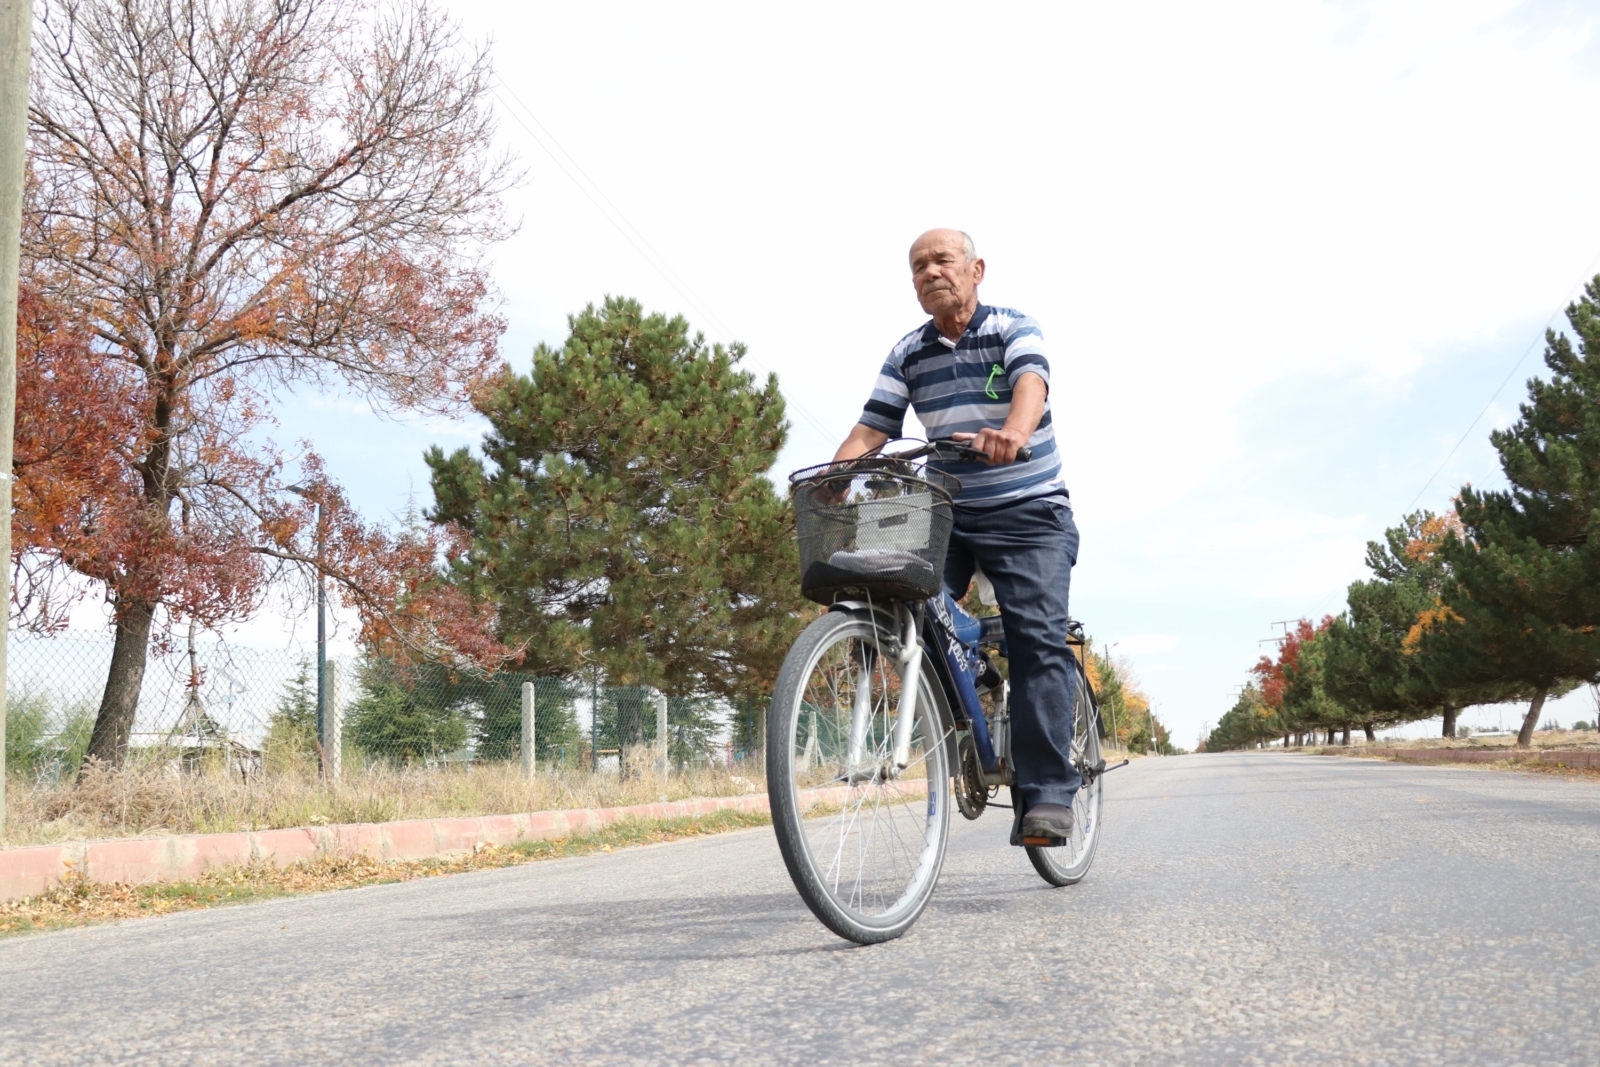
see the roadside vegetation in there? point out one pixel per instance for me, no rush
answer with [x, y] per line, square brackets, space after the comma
[117, 802]
[1497, 600]
[1132, 725]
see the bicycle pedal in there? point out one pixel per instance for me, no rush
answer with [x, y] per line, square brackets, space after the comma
[1043, 842]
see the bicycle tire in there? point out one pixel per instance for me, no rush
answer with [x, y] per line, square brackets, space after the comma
[1065, 865]
[868, 869]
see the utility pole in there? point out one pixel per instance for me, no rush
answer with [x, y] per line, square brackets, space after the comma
[16, 37]
[311, 493]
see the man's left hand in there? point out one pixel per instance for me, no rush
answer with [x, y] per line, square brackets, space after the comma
[999, 445]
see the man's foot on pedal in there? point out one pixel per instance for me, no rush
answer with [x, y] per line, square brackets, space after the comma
[1046, 825]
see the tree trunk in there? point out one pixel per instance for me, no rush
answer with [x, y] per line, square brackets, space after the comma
[1344, 739]
[114, 723]
[1450, 720]
[1371, 735]
[1529, 721]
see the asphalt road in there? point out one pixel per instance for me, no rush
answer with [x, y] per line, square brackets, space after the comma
[1244, 909]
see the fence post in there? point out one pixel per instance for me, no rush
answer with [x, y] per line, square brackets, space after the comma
[661, 731]
[528, 768]
[333, 725]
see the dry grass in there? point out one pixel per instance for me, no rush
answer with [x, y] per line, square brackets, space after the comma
[158, 800]
[1541, 739]
[79, 903]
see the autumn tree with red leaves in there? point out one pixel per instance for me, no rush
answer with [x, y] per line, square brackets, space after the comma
[1291, 683]
[228, 198]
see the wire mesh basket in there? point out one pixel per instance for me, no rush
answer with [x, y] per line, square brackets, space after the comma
[877, 527]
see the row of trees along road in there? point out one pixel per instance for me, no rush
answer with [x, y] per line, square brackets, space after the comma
[228, 200]
[1498, 600]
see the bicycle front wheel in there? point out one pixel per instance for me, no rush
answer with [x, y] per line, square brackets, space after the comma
[1066, 864]
[863, 842]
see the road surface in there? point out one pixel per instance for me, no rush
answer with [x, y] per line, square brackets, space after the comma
[1244, 909]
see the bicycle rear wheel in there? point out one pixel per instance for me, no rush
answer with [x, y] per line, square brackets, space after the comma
[863, 845]
[1066, 864]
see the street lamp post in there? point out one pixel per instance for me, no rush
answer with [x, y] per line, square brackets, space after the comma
[322, 628]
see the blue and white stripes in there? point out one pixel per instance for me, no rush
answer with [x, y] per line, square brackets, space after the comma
[964, 386]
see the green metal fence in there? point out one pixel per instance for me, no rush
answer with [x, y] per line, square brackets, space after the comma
[257, 711]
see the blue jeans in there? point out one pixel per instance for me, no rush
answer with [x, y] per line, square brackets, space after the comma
[1028, 551]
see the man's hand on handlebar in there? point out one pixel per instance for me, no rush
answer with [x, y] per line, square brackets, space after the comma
[999, 445]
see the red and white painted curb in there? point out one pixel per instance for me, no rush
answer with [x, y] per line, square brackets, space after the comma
[25, 872]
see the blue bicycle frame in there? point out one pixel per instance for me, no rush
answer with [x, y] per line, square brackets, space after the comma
[956, 634]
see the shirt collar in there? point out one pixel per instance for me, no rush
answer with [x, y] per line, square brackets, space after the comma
[931, 334]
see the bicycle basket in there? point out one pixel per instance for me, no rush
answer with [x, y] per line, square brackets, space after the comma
[878, 527]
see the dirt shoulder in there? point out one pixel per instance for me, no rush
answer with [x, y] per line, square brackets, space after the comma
[1580, 761]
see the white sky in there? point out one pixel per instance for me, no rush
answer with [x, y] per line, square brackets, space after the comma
[1282, 252]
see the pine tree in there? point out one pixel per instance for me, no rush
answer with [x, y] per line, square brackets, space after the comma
[1306, 700]
[408, 712]
[497, 724]
[621, 514]
[292, 729]
[1373, 663]
[1523, 603]
[1249, 722]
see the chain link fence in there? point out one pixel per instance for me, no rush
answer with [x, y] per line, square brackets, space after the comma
[255, 712]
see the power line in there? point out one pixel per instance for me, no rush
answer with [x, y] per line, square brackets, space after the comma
[1587, 274]
[630, 233]
[1572, 292]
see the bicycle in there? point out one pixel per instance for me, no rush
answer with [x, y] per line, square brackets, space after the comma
[891, 703]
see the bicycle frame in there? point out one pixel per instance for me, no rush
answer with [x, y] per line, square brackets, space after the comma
[956, 675]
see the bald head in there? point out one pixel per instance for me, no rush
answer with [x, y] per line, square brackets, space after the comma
[946, 271]
[947, 236]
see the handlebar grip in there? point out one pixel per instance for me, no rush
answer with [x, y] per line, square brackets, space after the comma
[1024, 454]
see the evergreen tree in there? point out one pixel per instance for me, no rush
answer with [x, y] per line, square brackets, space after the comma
[693, 723]
[1523, 601]
[621, 513]
[496, 701]
[408, 712]
[1305, 699]
[292, 728]
[1245, 725]
[1374, 665]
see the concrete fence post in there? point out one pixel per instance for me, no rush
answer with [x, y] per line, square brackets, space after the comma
[333, 724]
[528, 768]
[661, 732]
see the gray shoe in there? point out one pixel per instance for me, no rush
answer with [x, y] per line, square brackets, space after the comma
[1046, 825]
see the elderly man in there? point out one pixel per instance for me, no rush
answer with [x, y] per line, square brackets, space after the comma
[979, 374]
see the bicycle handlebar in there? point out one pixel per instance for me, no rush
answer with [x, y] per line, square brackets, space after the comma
[949, 448]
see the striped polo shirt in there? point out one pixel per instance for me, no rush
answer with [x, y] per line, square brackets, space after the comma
[963, 386]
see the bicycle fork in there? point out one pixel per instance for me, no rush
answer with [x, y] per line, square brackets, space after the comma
[909, 662]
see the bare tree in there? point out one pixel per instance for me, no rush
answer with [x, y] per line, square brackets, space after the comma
[227, 198]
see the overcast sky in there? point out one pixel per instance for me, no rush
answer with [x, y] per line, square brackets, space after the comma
[1283, 253]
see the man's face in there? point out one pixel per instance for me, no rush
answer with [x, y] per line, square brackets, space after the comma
[945, 278]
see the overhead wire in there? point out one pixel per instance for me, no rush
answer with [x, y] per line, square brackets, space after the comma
[1588, 273]
[1521, 359]
[629, 232]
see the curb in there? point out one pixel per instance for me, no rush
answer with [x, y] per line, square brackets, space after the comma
[28, 871]
[1576, 758]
